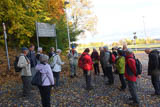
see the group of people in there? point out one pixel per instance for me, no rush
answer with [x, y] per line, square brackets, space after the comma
[120, 60]
[49, 67]
[123, 62]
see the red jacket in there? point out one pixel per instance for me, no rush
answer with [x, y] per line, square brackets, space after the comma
[86, 62]
[130, 69]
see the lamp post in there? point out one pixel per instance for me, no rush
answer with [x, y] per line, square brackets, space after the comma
[144, 25]
[66, 2]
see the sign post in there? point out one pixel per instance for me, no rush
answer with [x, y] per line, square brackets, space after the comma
[5, 38]
[135, 37]
[45, 30]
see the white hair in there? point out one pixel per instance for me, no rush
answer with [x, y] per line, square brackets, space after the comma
[59, 51]
[39, 49]
[43, 58]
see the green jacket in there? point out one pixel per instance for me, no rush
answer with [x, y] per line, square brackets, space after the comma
[120, 65]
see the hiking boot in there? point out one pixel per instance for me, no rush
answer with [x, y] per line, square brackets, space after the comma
[89, 88]
[109, 83]
[121, 89]
[131, 99]
[75, 75]
[72, 76]
[134, 103]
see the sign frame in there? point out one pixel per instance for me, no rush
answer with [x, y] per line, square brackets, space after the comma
[45, 32]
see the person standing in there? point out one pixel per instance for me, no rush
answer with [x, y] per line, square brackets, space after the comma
[102, 59]
[87, 67]
[114, 51]
[131, 75]
[95, 59]
[47, 78]
[56, 66]
[73, 61]
[124, 50]
[26, 74]
[120, 67]
[52, 52]
[32, 57]
[39, 53]
[154, 68]
[108, 66]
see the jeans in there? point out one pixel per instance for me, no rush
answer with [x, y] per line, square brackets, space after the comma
[26, 80]
[56, 76]
[96, 68]
[73, 69]
[121, 77]
[45, 92]
[133, 90]
[87, 75]
[156, 83]
[109, 74]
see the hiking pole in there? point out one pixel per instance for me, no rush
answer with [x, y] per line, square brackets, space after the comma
[5, 38]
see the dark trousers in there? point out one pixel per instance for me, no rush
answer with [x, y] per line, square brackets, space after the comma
[56, 76]
[109, 74]
[133, 90]
[156, 83]
[26, 80]
[87, 75]
[103, 69]
[45, 92]
[73, 69]
[121, 77]
[96, 68]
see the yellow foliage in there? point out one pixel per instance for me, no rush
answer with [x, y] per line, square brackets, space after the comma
[55, 8]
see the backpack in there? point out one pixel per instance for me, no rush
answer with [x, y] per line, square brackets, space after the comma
[37, 79]
[138, 67]
[16, 68]
[112, 58]
[51, 59]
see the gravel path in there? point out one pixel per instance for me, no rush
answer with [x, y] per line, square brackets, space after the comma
[72, 93]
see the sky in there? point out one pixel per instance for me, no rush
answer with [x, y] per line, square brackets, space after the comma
[118, 19]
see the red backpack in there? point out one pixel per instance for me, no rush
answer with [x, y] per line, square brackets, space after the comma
[113, 58]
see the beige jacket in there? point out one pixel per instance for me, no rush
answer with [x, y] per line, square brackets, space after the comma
[26, 67]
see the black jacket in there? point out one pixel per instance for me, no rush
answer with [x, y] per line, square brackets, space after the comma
[154, 61]
[32, 57]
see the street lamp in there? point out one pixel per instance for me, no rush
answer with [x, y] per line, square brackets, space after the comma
[66, 2]
[144, 25]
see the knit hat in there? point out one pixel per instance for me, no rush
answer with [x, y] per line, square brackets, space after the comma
[105, 47]
[24, 48]
[43, 58]
[73, 46]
